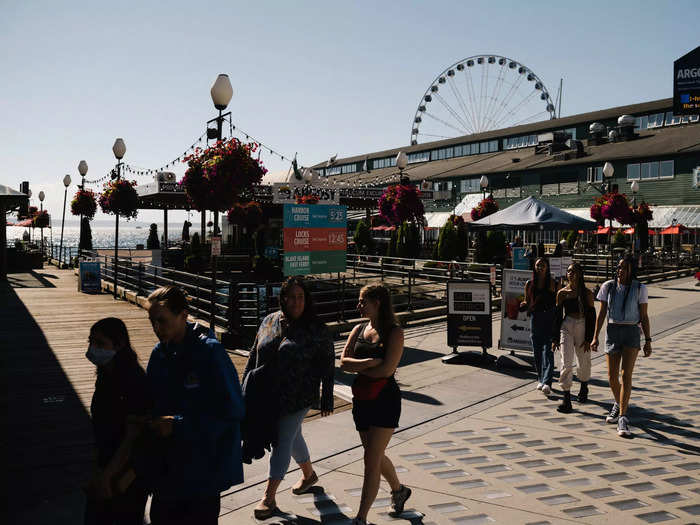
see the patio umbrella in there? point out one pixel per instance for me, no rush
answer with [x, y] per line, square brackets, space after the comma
[673, 230]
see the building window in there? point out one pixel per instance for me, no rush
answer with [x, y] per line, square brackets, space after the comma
[458, 151]
[595, 174]
[470, 186]
[420, 156]
[493, 146]
[335, 170]
[348, 168]
[633, 172]
[475, 148]
[666, 169]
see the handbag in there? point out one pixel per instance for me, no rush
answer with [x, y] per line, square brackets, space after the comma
[366, 388]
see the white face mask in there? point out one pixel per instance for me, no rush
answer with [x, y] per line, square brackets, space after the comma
[99, 356]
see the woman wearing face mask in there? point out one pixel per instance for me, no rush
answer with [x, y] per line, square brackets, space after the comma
[120, 403]
[373, 350]
[299, 345]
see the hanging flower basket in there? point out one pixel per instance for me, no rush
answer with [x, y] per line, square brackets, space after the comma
[84, 204]
[41, 220]
[613, 206]
[401, 203]
[307, 199]
[249, 214]
[485, 208]
[643, 213]
[120, 197]
[216, 176]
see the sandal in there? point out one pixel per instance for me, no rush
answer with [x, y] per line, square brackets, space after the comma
[265, 510]
[305, 484]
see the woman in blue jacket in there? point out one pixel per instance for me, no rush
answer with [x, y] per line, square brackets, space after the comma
[198, 406]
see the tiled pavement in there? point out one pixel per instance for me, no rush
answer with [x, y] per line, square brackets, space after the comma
[519, 461]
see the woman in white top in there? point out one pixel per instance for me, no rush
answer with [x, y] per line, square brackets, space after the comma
[624, 301]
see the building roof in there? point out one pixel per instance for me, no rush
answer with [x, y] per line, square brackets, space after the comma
[651, 143]
[524, 129]
[11, 197]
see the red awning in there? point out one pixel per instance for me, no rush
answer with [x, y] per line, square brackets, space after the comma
[384, 228]
[603, 230]
[24, 223]
[673, 230]
[630, 231]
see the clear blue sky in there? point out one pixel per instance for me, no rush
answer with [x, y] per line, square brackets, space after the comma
[316, 78]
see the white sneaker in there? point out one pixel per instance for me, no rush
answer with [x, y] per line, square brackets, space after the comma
[539, 386]
[623, 428]
[546, 390]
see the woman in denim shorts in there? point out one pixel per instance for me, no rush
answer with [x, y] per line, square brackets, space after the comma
[624, 301]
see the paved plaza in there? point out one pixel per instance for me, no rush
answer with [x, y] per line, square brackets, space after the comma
[477, 444]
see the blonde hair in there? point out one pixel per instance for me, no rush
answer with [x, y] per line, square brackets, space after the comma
[172, 297]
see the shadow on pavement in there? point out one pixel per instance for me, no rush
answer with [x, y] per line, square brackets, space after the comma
[417, 397]
[46, 432]
[30, 279]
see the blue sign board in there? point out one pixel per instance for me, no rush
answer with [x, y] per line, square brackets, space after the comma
[314, 216]
[520, 262]
[90, 280]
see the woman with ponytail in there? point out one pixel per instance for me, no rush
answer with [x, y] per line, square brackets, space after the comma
[373, 351]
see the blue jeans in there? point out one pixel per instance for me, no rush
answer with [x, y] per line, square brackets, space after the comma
[541, 337]
[290, 444]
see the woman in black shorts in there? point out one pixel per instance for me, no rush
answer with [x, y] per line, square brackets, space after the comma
[373, 350]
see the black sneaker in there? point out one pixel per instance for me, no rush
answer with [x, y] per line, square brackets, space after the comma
[614, 414]
[583, 393]
[398, 499]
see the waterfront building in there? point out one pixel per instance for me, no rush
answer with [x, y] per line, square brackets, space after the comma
[559, 161]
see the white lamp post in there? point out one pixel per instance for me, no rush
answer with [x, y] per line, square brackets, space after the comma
[608, 172]
[221, 94]
[42, 196]
[484, 183]
[119, 149]
[82, 170]
[66, 183]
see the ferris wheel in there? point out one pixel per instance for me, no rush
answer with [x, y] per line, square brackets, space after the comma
[477, 94]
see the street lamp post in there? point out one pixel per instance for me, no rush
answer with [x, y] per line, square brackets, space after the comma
[484, 183]
[42, 196]
[635, 188]
[66, 183]
[608, 172]
[119, 149]
[82, 169]
[221, 93]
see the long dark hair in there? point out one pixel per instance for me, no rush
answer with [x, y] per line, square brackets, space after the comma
[535, 279]
[386, 317]
[115, 330]
[628, 260]
[580, 285]
[309, 315]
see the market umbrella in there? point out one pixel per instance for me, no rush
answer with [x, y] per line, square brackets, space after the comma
[533, 214]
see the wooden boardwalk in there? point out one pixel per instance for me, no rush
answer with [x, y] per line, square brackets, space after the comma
[46, 431]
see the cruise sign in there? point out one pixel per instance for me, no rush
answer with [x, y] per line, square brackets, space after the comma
[315, 238]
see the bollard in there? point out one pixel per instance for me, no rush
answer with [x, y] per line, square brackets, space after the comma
[410, 300]
[139, 290]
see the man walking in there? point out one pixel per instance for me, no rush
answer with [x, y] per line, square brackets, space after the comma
[198, 407]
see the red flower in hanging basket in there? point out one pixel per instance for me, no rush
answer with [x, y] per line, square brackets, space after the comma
[613, 206]
[249, 214]
[486, 207]
[84, 203]
[216, 176]
[401, 203]
[41, 220]
[120, 197]
[644, 213]
[307, 199]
